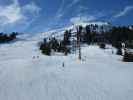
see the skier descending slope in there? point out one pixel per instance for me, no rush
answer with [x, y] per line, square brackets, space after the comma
[63, 65]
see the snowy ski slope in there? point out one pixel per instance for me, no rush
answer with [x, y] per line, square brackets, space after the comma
[100, 76]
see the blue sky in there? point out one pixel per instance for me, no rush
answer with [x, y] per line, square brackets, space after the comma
[33, 16]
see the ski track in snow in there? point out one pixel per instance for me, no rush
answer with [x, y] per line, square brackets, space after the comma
[102, 76]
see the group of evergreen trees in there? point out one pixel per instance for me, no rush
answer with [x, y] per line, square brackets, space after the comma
[128, 56]
[47, 46]
[66, 39]
[115, 36]
[90, 34]
[119, 34]
[7, 37]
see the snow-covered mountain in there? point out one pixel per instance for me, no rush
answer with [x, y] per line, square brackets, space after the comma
[99, 27]
[26, 74]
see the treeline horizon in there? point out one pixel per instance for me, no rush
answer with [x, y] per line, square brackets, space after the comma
[4, 38]
[88, 34]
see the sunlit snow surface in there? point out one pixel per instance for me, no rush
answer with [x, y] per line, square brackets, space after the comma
[100, 75]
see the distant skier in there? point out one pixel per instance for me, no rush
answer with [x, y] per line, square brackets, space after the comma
[37, 57]
[63, 65]
[33, 57]
[112, 51]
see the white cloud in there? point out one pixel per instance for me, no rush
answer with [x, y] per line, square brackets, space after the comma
[87, 18]
[125, 11]
[32, 7]
[83, 7]
[13, 14]
[60, 12]
[15, 2]
[10, 14]
[63, 8]
[79, 19]
[73, 3]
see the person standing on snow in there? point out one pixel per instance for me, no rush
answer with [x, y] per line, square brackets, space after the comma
[63, 65]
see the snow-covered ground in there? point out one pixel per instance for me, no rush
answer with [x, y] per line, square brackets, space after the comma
[99, 76]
